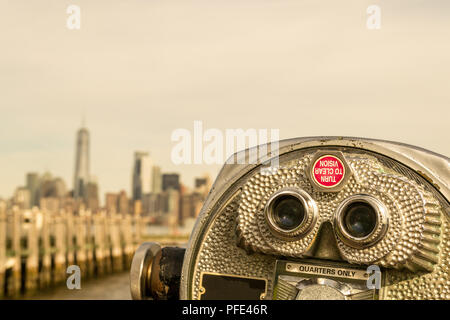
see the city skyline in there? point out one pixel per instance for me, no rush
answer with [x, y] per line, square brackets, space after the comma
[69, 162]
[145, 175]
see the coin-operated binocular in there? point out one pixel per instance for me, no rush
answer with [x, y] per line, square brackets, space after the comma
[313, 218]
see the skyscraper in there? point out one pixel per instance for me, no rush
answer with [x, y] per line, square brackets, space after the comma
[170, 181]
[33, 186]
[142, 175]
[156, 180]
[123, 203]
[81, 177]
[91, 197]
[52, 187]
[203, 185]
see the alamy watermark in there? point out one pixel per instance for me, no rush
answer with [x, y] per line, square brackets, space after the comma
[373, 17]
[74, 280]
[74, 19]
[373, 21]
[215, 146]
[374, 279]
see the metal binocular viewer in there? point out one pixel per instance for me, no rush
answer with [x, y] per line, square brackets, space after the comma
[335, 218]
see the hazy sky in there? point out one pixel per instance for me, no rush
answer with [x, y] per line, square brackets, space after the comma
[140, 69]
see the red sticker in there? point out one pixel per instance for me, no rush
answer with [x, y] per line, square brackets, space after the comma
[328, 171]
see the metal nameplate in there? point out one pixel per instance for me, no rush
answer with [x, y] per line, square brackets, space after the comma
[215, 286]
[348, 273]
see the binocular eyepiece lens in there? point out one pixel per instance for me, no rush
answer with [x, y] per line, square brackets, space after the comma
[359, 219]
[288, 212]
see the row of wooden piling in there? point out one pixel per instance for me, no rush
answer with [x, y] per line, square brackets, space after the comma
[36, 247]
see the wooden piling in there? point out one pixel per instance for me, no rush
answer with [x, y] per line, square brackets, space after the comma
[114, 236]
[31, 257]
[37, 246]
[2, 248]
[45, 254]
[14, 278]
[59, 266]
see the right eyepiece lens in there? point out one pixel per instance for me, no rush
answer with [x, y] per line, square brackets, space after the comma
[288, 212]
[359, 219]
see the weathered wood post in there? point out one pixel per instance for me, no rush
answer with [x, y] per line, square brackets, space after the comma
[45, 275]
[137, 228]
[70, 240]
[127, 238]
[59, 271]
[106, 234]
[31, 274]
[90, 244]
[80, 231]
[14, 279]
[116, 248]
[2, 248]
[98, 244]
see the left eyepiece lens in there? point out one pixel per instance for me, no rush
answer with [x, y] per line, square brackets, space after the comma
[288, 212]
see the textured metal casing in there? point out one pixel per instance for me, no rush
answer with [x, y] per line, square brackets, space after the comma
[432, 167]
